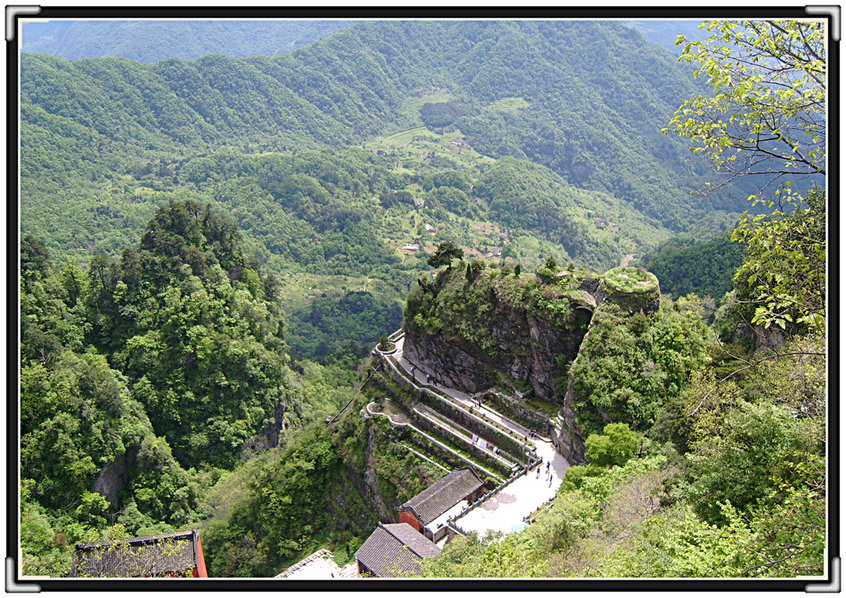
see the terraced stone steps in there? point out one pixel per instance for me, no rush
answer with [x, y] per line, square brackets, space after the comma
[492, 419]
[411, 427]
[460, 433]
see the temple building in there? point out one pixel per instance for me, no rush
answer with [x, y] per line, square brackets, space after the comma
[168, 555]
[394, 550]
[429, 511]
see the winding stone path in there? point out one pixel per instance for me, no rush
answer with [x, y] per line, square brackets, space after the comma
[505, 511]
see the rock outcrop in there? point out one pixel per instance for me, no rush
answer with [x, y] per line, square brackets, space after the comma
[564, 432]
[514, 343]
[487, 329]
[115, 475]
[634, 289]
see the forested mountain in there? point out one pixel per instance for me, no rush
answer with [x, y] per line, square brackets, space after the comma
[189, 40]
[549, 154]
[557, 143]
[684, 266]
[154, 40]
[591, 113]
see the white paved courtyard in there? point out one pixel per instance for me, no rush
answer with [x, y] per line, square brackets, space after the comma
[504, 512]
[319, 565]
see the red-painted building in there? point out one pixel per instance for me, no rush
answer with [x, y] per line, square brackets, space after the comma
[419, 512]
[169, 555]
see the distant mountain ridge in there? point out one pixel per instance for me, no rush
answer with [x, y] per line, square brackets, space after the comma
[186, 40]
[130, 38]
[666, 32]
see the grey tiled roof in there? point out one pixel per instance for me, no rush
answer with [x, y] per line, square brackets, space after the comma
[150, 556]
[395, 550]
[443, 494]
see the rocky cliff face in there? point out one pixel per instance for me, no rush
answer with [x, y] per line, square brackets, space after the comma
[115, 475]
[477, 330]
[564, 432]
[528, 352]
[500, 333]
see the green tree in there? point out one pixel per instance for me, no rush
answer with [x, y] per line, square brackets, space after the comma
[548, 271]
[767, 117]
[740, 451]
[35, 259]
[468, 556]
[444, 254]
[615, 446]
[783, 274]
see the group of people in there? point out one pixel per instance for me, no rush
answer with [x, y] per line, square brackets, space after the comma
[435, 381]
[429, 378]
[549, 474]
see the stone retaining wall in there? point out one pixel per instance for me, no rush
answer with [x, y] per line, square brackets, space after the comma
[508, 445]
[437, 432]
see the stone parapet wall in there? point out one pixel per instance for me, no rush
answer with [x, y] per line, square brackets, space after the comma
[436, 432]
[633, 289]
[509, 446]
[517, 411]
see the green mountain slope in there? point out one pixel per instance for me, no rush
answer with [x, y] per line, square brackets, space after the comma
[684, 266]
[597, 93]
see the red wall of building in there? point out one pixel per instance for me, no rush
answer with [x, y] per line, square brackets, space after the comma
[200, 571]
[410, 519]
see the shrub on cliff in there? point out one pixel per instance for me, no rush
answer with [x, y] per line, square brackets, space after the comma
[629, 365]
[614, 446]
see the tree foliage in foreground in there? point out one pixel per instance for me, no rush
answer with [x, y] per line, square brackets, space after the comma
[767, 117]
[784, 273]
[767, 114]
